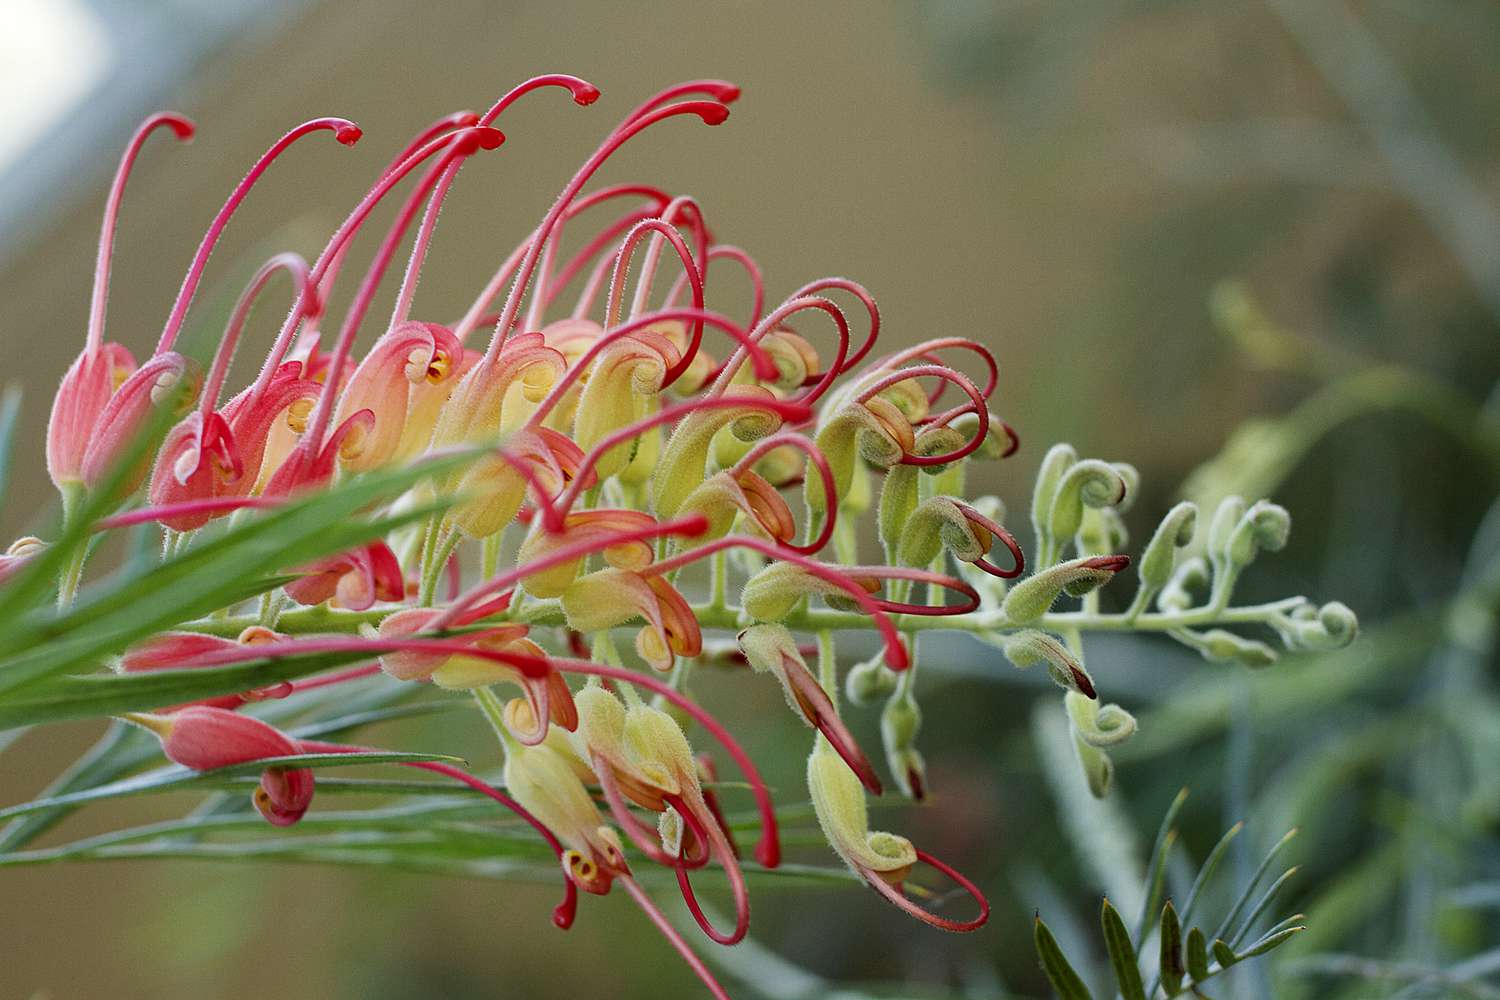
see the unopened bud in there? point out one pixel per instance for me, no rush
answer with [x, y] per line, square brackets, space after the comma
[1160, 556]
[1098, 725]
[870, 680]
[1177, 595]
[900, 722]
[1090, 483]
[1264, 526]
[1029, 600]
[1030, 646]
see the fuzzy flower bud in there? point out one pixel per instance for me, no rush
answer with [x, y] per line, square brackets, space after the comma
[900, 722]
[1029, 600]
[1029, 647]
[770, 648]
[1160, 556]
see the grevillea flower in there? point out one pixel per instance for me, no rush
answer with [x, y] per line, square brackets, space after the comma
[588, 443]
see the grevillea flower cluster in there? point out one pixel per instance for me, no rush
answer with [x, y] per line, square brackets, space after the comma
[602, 456]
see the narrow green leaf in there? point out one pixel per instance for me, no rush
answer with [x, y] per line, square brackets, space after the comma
[1166, 836]
[165, 595]
[1210, 864]
[194, 583]
[1055, 964]
[1271, 940]
[112, 694]
[1197, 955]
[1223, 954]
[1121, 953]
[1261, 905]
[174, 778]
[1252, 885]
[1170, 963]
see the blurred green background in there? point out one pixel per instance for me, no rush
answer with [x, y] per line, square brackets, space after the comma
[1071, 184]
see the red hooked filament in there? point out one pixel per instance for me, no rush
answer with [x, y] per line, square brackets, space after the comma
[181, 127]
[344, 130]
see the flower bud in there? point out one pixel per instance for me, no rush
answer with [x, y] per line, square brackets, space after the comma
[203, 738]
[1177, 595]
[408, 356]
[771, 594]
[1160, 556]
[875, 430]
[21, 551]
[1098, 769]
[622, 378]
[545, 783]
[1098, 725]
[1226, 518]
[1333, 626]
[355, 580]
[839, 802]
[1264, 526]
[1059, 458]
[91, 380]
[1030, 599]
[1223, 646]
[1029, 646]
[869, 680]
[611, 597]
[770, 648]
[898, 502]
[900, 722]
[685, 457]
[1090, 483]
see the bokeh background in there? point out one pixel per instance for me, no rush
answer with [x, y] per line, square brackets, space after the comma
[1168, 219]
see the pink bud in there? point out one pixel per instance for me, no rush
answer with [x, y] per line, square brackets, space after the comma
[85, 391]
[203, 738]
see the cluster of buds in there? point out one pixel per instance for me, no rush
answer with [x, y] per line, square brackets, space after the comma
[615, 451]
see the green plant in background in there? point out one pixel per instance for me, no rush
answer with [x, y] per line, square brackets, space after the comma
[1186, 955]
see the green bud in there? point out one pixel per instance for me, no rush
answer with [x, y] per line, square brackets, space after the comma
[898, 499]
[1333, 626]
[1177, 595]
[1098, 769]
[1090, 483]
[937, 441]
[1030, 599]
[1098, 725]
[1058, 460]
[1222, 646]
[1264, 526]
[900, 722]
[684, 459]
[1226, 518]
[996, 442]
[1103, 531]
[771, 594]
[1174, 532]
[869, 681]
[1029, 647]
[937, 523]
